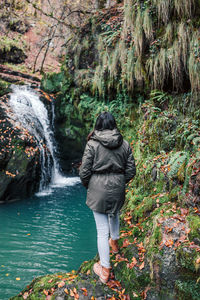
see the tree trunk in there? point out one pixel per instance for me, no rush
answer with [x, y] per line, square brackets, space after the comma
[108, 3]
[96, 4]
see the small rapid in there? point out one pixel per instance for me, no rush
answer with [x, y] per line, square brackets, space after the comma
[32, 115]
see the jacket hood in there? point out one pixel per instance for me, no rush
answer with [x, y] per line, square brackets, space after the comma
[108, 138]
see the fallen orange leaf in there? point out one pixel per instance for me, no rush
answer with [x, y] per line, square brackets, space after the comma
[140, 245]
[46, 292]
[25, 296]
[141, 266]
[112, 298]
[134, 260]
[169, 243]
[132, 264]
[85, 292]
[119, 258]
[126, 243]
[76, 296]
[66, 291]
[134, 294]
[198, 260]
[61, 284]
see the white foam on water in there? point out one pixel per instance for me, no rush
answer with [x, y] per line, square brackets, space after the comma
[62, 181]
[59, 182]
[43, 193]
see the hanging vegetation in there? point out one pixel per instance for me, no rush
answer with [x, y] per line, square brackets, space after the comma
[143, 45]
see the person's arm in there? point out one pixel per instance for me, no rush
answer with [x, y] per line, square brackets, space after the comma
[85, 170]
[130, 170]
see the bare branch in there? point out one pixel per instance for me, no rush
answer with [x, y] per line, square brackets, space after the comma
[71, 26]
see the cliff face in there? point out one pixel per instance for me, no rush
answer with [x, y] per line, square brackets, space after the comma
[141, 45]
[19, 158]
[20, 149]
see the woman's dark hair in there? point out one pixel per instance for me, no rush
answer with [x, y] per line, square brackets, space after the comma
[105, 121]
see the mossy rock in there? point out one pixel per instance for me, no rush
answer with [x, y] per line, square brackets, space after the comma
[187, 258]
[4, 87]
[188, 289]
[13, 55]
[21, 176]
[194, 223]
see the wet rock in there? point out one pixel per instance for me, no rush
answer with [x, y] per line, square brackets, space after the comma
[22, 181]
[19, 171]
[70, 133]
[153, 294]
[86, 287]
[20, 167]
[168, 270]
[12, 55]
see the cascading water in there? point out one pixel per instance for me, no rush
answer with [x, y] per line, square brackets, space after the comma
[32, 114]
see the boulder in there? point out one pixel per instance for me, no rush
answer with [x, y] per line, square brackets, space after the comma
[19, 158]
[12, 55]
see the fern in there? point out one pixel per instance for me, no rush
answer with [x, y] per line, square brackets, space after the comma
[91, 107]
[159, 96]
[175, 162]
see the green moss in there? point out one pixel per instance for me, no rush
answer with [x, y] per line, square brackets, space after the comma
[4, 87]
[19, 68]
[7, 43]
[38, 285]
[155, 239]
[174, 193]
[132, 280]
[88, 265]
[188, 289]
[56, 82]
[146, 206]
[19, 161]
[194, 224]
[187, 258]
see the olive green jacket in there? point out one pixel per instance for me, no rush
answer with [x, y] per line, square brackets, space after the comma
[107, 165]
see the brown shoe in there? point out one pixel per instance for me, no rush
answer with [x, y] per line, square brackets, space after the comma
[102, 272]
[114, 245]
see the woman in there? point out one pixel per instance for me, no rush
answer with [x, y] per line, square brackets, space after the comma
[107, 165]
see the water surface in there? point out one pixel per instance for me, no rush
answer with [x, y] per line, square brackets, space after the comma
[42, 235]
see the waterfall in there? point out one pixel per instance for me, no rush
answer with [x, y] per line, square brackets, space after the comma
[32, 115]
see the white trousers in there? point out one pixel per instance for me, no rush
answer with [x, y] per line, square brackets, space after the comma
[107, 226]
